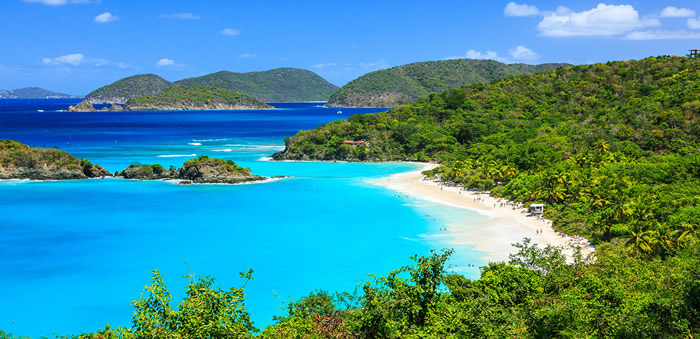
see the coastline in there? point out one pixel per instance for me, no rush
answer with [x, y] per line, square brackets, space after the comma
[508, 225]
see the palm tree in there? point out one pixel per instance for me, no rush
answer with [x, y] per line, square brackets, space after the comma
[602, 146]
[640, 240]
[664, 238]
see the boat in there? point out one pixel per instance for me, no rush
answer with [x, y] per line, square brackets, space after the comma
[340, 112]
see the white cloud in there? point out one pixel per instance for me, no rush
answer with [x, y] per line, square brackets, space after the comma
[70, 59]
[603, 20]
[79, 59]
[381, 64]
[182, 16]
[322, 66]
[694, 23]
[474, 54]
[62, 2]
[662, 35]
[49, 2]
[523, 53]
[106, 17]
[230, 31]
[247, 55]
[673, 12]
[165, 62]
[513, 9]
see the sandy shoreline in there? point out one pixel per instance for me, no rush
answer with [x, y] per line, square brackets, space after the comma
[506, 226]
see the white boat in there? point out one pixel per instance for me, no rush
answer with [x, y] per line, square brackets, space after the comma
[340, 112]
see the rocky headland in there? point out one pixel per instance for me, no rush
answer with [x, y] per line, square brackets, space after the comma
[19, 161]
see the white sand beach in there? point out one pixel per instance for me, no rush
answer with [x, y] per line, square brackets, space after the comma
[507, 226]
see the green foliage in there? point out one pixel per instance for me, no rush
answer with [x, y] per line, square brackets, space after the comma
[19, 161]
[612, 149]
[276, 85]
[205, 312]
[405, 84]
[180, 97]
[227, 165]
[128, 88]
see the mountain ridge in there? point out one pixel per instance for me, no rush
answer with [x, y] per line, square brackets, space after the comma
[283, 84]
[406, 83]
[32, 93]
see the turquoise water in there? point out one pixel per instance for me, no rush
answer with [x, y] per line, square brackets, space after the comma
[74, 253]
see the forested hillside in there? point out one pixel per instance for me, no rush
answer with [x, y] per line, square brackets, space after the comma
[275, 85]
[611, 149]
[120, 91]
[195, 98]
[405, 84]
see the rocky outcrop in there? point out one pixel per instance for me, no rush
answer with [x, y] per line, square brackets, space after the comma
[83, 106]
[114, 107]
[197, 170]
[147, 172]
[19, 161]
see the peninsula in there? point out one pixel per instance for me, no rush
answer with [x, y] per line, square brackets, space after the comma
[19, 161]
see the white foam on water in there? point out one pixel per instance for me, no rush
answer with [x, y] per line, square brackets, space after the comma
[223, 139]
[255, 146]
[176, 155]
[195, 143]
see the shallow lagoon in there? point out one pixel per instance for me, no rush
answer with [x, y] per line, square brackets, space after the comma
[74, 253]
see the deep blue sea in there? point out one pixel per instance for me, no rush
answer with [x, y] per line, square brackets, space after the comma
[73, 254]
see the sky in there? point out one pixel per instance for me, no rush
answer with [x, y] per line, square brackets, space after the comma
[76, 46]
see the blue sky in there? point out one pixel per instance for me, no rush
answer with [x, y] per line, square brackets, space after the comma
[75, 46]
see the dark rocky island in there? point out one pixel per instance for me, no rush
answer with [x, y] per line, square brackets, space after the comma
[19, 161]
[200, 170]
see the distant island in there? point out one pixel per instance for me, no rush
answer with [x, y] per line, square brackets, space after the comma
[184, 98]
[194, 98]
[281, 85]
[405, 84]
[120, 91]
[275, 85]
[32, 93]
[19, 161]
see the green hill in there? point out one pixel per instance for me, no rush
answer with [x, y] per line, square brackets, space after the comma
[32, 93]
[613, 152]
[405, 84]
[194, 98]
[595, 137]
[276, 85]
[120, 91]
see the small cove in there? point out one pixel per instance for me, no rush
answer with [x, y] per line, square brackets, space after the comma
[83, 249]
